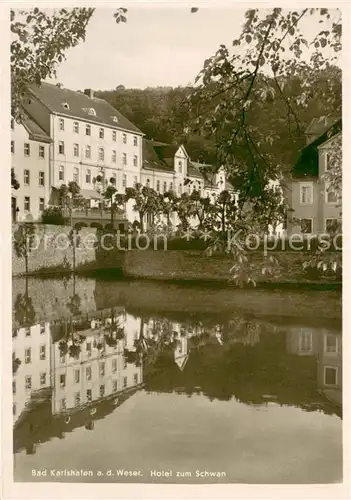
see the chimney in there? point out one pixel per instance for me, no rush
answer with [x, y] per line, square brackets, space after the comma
[89, 93]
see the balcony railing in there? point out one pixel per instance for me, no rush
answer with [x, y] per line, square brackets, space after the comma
[95, 213]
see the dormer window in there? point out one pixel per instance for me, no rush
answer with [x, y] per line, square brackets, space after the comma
[115, 119]
[65, 105]
[92, 112]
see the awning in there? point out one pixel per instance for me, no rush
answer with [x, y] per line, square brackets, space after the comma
[90, 194]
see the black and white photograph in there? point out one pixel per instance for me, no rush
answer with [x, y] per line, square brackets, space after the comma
[175, 244]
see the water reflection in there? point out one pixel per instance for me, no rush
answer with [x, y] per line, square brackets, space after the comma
[69, 373]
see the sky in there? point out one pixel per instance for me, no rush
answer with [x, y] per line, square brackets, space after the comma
[158, 46]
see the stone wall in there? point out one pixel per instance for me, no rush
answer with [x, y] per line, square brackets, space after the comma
[52, 251]
[194, 265]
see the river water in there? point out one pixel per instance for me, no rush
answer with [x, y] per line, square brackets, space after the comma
[135, 382]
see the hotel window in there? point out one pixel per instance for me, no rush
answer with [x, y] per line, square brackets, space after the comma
[62, 124]
[12, 124]
[147, 182]
[102, 369]
[164, 186]
[157, 185]
[76, 175]
[88, 347]
[26, 149]
[41, 179]
[89, 395]
[124, 181]
[306, 226]
[330, 343]
[101, 133]
[330, 196]
[124, 158]
[135, 182]
[27, 204]
[171, 186]
[42, 325]
[41, 204]
[61, 173]
[26, 177]
[180, 165]
[114, 386]
[87, 129]
[76, 376]
[114, 156]
[43, 378]
[14, 387]
[114, 135]
[135, 161]
[327, 158]
[101, 154]
[76, 127]
[62, 358]
[27, 331]
[135, 140]
[135, 378]
[27, 355]
[63, 404]
[114, 175]
[61, 148]
[125, 382]
[28, 382]
[14, 408]
[306, 193]
[124, 138]
[180, 189]
[75, 149]
[88, 373]
[330, 375]
[12, 147]
[331, 225]
[305, 341]
[42, 353]
[102, 390]
[87, 152]
[62, 380]
[114, 365]
[88, 176]
[77, 398]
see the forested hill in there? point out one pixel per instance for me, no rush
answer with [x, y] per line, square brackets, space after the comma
[161, 114]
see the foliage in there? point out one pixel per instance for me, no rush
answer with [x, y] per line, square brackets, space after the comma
[70, 197]
[23, 241]
[53, 215]
[147, 201]
[14, 182]
[24, 310]
[115, 200]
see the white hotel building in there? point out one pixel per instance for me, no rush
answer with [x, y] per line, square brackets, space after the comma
[85, 139]
[30, 151]
[90, 138]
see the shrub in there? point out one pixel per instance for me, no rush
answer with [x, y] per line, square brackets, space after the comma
[53, 215]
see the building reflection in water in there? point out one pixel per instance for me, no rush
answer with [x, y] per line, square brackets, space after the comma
[68, 374]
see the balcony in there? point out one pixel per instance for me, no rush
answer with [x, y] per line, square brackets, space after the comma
[97, 217]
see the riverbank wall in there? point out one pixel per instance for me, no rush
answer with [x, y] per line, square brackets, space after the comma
[53, 253]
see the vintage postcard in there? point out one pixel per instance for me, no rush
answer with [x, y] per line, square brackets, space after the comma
[172, 253]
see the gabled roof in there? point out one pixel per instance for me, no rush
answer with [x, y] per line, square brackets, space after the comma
[320, 124]
[308, 165]
[194, 170]
[35, 132]
[151, 161]
[166, 151]
[54, 98]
